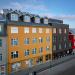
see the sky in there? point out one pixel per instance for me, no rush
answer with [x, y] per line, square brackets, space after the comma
[58, 9]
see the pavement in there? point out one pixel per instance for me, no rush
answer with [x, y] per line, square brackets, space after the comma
[66, 68]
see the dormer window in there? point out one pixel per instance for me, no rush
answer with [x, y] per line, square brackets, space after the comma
[14, 17]
[37, 20]
[45, 21]
[26, 18]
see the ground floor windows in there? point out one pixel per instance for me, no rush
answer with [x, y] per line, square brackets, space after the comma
[47, 57]
[2, 69]
[39, 60]
[16, 66]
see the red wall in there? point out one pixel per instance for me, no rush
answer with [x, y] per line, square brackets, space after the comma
[71, 38]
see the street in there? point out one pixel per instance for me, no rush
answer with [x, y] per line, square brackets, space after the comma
[67, 68]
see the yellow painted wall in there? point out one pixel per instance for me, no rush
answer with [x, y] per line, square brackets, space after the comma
[21, 47]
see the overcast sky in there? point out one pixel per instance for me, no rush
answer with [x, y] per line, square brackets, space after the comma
[61, 9]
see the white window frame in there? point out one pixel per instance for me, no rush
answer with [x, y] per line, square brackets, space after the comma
[37, 20]
[34, 30]
[40, 30]
[54, 30]
[45, 21]
[26, 52]
[65, 30]
[47, 30]
[12, 42]
[26, 18]
[14, 53]
[40, 49]
[26, 30]
[60, 31]
[14, 17]
[34, 51]
[47, 48]
[14, 29]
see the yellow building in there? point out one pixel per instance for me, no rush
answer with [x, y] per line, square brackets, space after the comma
[29, 44]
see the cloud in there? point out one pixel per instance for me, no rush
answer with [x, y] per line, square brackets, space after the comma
[69, 17]
[61, 16]
[32, 5]
[37, 7]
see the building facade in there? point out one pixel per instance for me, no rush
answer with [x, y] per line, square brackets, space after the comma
[3, 50]
[32, 40]
[72, 38]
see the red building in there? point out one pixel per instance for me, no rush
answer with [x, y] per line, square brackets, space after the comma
[72, 38]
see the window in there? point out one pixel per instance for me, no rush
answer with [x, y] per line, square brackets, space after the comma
[64, 38]
[16, 66]
[0, 28]
[40, 30]
[47, 57]
[39, 60]
[70, 44]
[65, 30]
[47, 48]
[65, 45]
[34, 30]
[54, 38]
[54, 30]
[14, 54]
[34, 40]
[14, 17]
[14, 29]
[74, 43]
[0, 42]
[48, 39]
[0, 57]
[54, 47]
[40, 39]
[74, 36]
[26, 30]
[26, 18]
[41, 50]
[47, 30]
[26, 52]
[45, 21]
[60, 38]
[14, 42]
[26, 41]
[60, 31]
[34, 51]
[59, 46]
[37, 20]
